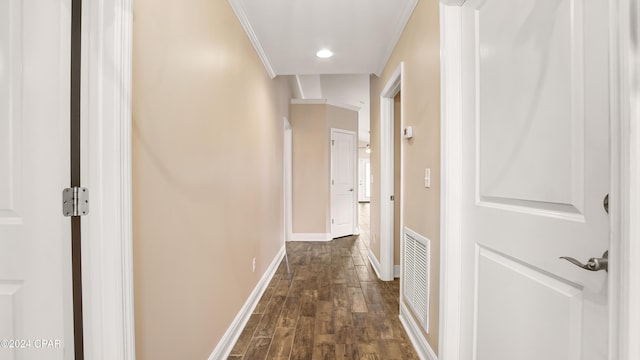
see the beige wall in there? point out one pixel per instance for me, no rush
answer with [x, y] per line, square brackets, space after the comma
[340, 118]
[207, 174]
[311, 131]
[419, 48]
[310, 193]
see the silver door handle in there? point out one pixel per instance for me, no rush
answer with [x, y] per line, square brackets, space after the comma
[594, 264]
[350, 189]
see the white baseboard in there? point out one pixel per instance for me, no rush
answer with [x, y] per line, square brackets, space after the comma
[396, 271]
[311, 237]
[421, 345]
[224, 347]
[374, 263]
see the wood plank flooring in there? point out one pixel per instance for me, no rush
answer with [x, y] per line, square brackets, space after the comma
[331, 307]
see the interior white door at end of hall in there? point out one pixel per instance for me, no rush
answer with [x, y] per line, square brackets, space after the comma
[343, 183]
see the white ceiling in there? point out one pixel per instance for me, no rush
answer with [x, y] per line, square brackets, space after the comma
[361, 33]
[288, 33]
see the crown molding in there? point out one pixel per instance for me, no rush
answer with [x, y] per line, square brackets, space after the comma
[453, 2]
[406, 14]
[241, 14]
[324, 102]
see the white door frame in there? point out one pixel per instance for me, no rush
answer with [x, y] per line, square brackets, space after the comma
[354, 221]
[288, 184]
[391, 89]
[456, 259]
[106, 170]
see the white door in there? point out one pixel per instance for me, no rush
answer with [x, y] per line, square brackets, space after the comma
[35, 260]
[343, 182]
[536, 173]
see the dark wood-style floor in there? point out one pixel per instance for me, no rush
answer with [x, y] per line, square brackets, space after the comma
[331, 306]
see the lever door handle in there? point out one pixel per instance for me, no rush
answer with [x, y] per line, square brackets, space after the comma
[594, 264]
[350, 189]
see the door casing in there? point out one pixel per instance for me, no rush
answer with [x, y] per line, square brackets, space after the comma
[107, 32]
[288, 184]
[391, 89]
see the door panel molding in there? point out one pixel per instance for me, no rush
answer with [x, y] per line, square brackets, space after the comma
[11, 122]
[513, 282]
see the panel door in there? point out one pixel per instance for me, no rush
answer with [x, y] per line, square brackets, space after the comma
[536, 173]
[343, 181]
[35, 264]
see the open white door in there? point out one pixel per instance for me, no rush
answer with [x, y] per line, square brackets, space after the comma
[536, 171]
[35, 252]
[343, 183]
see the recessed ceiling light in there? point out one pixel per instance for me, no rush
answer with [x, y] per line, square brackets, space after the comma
[324, 53]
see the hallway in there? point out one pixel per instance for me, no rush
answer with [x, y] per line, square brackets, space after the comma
[332, 308]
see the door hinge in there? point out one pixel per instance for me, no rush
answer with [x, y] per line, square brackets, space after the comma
[332, 221]
[333, 142]
[333, 182]
[75, 201]
[392, 198]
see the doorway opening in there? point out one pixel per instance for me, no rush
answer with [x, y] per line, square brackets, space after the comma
[364, 192]
[391, 176]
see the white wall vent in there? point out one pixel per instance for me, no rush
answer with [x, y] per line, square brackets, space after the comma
[415, 280]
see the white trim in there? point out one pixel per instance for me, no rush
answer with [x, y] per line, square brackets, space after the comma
[322, 102]
[396, 271]
[224, 347]
[344, 106]
[397, 32]
[452, 2]
[308, 101]
[631, 226]
[108, 306]
[393, 86]
[422, 347]
[287, 179]
[310, 237]
[374, 262]
[625, 161]
[238, 9]
[300, 87]
[450, 331]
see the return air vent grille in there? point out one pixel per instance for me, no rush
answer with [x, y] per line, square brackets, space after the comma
[417, 255]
